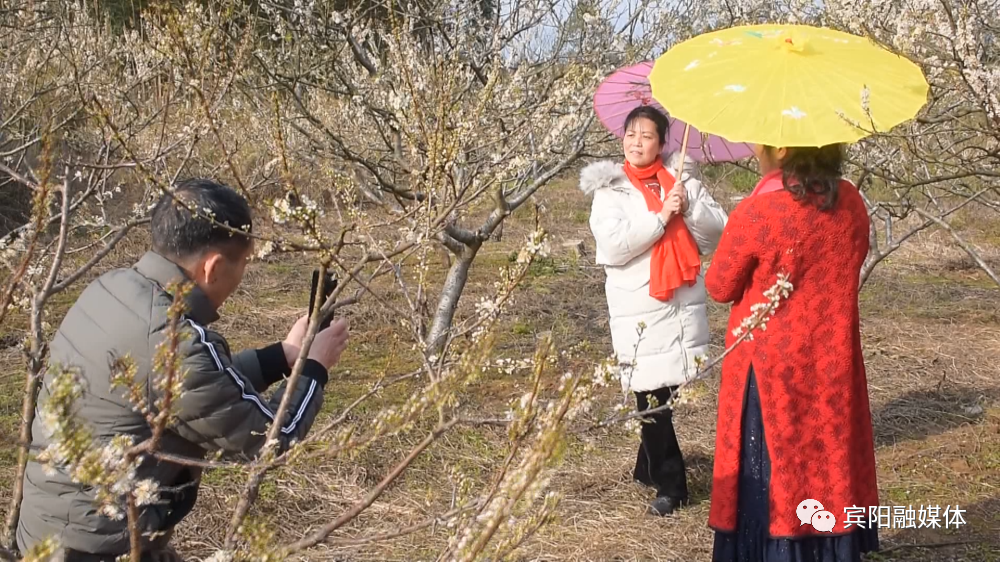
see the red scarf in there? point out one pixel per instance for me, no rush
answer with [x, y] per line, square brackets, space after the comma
[675, 261]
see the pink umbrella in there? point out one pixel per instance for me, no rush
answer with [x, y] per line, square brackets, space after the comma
[628, 88]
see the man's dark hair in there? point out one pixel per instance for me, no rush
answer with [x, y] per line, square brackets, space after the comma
[658, 117]
[178, 234]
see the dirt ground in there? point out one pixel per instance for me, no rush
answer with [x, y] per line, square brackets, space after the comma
[931, 328]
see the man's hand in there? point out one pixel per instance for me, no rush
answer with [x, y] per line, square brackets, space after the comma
[293, 341]
[326, 346]
[330, 343]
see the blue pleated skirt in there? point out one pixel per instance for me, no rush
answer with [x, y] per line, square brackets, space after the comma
[751, 542]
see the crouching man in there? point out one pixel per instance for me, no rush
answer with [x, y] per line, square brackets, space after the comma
[124, 312]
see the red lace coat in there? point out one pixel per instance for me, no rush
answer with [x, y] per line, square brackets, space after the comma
[808, 363]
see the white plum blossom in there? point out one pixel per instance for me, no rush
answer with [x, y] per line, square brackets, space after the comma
[761, 312]
[146, 492]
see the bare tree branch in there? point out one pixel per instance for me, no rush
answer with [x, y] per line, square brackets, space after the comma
[961, 242]
[321, 534]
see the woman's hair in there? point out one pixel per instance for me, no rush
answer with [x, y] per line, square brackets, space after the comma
[813, 174]
[659, 118]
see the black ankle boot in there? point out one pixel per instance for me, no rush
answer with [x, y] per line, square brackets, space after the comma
[665, 505]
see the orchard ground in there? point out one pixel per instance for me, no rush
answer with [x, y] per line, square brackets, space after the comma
[931, 329]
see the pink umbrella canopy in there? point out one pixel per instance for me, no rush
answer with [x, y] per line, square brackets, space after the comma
[628, 88]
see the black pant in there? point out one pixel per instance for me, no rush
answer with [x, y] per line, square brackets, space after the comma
[152, 553]
[75, 556]
[659, 463]
[69, 555]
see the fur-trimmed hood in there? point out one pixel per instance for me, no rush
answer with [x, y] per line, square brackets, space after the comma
[608, 173]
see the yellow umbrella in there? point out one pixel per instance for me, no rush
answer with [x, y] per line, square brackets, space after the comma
[787, 85]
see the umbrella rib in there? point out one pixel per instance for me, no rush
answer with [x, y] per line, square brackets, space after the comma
[784, 100]
[828, 75]
[722, 109]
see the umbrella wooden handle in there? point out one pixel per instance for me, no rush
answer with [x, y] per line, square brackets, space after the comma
[684, 148]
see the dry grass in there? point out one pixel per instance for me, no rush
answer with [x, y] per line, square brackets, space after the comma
[932, 342]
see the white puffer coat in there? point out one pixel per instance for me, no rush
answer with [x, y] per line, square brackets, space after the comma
[625, 230]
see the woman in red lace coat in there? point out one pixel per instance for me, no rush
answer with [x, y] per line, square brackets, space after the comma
[794, 444]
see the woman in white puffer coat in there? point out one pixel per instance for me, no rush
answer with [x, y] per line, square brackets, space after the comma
[655, 338]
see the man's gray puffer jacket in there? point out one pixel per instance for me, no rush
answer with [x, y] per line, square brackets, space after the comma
[125, 312]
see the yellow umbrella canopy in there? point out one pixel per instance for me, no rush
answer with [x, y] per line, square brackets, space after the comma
[787, 85]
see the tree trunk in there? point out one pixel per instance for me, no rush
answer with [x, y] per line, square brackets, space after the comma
[454, 285]
[32, 385]
[867, 270]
